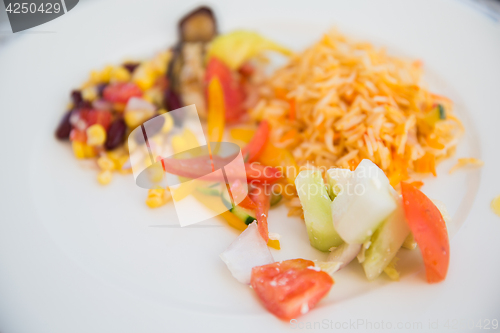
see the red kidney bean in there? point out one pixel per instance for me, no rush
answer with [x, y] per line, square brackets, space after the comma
[64, 128]
[131, 66]
[76, 97]
[116, 134]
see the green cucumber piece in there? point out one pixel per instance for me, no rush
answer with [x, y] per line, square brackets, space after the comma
[386, 242]
[275, 199]
[244, 214]
[317, 210]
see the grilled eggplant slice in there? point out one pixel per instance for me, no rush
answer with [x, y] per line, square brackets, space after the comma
[198, 26]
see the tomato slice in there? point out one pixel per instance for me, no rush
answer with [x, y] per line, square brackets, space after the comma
[92, 117]
[429, 229]
[255, 147]
[233, 90]
[121, 92]
[290, 288]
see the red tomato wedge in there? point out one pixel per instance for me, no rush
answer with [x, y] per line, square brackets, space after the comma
[290, 288]
[121, 92]
[261, 196]
[91, 117]
[429, 229]
[255, 147]
[233, 90]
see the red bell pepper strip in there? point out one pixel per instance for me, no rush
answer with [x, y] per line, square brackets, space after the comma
[429, 229]
[233, 91]
[262, 173]
[255, 147]
[201, 168]
[237, 192]
[261, 195]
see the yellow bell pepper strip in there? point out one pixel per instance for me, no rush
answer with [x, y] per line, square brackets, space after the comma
[215, 203]
[216, 110]
[280, 158]
[237, 47]
[274, 243]
[242, 134]
[184, 190]
[234, 221]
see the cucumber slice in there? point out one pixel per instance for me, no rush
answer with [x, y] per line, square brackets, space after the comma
[244, 214]
[365, 202]
[275, 199]
[386, 242]
[317, 210]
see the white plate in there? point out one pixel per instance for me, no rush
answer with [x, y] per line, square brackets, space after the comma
[77, 257]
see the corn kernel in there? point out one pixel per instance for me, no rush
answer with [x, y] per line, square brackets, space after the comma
[144, 76]
[135, 118]
[120, 163]
[105, 74]
[153, 96]
[95, 77]
[179, 144]
[120, 74]
[154, 202]
[155, 173]
[96, 135]
[131, 145]
[114, 155]
[78, 149]
[98, 77]
[90, 94]
[89, 151]
[158, 197]
[160, 62]
[104, 177]
[105, 163]
[169, 123]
